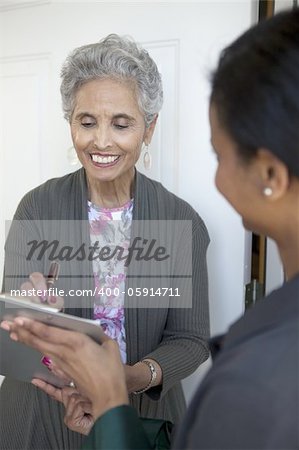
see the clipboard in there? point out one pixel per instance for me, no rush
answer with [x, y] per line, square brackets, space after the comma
[23, 363]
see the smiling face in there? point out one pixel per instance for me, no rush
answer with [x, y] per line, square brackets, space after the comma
[108, 130]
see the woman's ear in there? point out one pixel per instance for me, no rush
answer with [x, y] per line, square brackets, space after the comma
[150, 130]
[274, 174]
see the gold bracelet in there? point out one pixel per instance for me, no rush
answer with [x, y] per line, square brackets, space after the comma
[153, 371]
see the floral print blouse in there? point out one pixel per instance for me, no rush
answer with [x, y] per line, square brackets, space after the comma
[110, 228]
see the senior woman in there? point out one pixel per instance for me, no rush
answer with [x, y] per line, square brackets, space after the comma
[111, 93]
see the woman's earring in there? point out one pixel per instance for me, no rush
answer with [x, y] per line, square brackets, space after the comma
[72, 156]
[147, 159]
[267, 191]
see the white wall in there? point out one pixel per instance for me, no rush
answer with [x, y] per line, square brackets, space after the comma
[274, 269]
[48, 30]
[281, 5]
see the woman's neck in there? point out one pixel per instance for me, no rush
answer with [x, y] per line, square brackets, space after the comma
[290, 259]
[111, 194]
[284, 219]
[288, 246]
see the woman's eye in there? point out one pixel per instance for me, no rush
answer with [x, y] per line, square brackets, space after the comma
[120, 126]
[87, 124]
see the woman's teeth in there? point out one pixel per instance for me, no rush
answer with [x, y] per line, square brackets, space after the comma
[104, 159]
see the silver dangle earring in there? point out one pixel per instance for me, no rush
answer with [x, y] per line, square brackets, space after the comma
[267, 191]
[147, 158]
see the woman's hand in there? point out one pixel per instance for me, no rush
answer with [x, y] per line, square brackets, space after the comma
[78, 409]
[96, 370]
[37, 282]
[54, 392]
[137, 377]
[78, 412]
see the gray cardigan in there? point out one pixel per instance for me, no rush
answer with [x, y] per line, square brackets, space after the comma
[174, 337]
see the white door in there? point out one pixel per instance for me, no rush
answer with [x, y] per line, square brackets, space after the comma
[185, 40]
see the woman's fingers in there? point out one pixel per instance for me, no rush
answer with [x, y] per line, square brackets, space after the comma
[78, 412]
[61, 346]
[34, 334]
[42, 338]
[31, 292]
[71, 397]
[52, 391]
[38, 285]
[59, 373]
[38, 334]
[38, 281]
[6, 325]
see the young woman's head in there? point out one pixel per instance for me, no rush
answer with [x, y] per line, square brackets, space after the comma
[255, 89]
[254, 117]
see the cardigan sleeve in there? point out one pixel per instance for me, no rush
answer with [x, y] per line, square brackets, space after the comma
[23, 230]
[184, 343]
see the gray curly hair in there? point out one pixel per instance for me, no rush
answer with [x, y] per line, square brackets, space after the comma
[117, 58]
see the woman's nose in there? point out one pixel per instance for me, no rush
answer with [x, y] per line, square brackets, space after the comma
[102, 138]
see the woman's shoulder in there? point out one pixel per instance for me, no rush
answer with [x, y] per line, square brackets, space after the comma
[37, 203]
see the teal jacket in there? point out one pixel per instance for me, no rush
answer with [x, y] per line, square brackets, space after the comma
[121, 428]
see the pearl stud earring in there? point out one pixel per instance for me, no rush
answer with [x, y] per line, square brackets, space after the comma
[267, 191]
